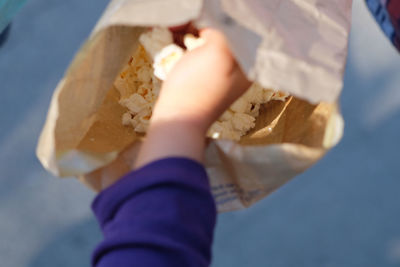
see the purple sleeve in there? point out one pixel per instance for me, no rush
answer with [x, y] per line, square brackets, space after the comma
[160, 215]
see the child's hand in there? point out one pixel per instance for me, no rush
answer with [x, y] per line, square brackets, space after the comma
[200, 87]
[203, 84]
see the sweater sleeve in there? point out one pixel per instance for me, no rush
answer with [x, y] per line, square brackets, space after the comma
[160, 215]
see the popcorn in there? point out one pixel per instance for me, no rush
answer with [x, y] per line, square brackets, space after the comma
[127, 119]
[144, 75]
[223, 130]
[141, 128]
[280, 96]
[166, 59]
[135, 103]
[155, 40]
[215, 130]
[267, 96]
[128, 80]
[192, 42]
[139, 122]
[254, 93]
[144, 116]
[243, 122]
[255, 110]
[227, 115]
[241, 105]
[140, 81]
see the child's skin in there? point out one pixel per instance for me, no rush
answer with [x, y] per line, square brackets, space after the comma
[200, 87]
[163, 214]
[203, 84]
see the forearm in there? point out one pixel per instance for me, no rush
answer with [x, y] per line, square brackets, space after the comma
[163, 214]
[173, 134]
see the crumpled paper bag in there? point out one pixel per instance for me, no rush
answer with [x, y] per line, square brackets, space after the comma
[298, 46]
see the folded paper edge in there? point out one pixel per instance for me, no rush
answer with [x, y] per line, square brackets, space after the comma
[299, 157]
[45, 150]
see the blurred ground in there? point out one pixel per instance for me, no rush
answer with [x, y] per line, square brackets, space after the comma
[343, 212]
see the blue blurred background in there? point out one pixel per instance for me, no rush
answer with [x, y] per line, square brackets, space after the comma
[8, 8]
[345, 211]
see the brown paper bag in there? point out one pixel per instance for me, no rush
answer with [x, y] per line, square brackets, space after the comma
[84, 137]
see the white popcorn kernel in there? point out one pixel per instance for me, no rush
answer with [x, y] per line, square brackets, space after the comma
[143, 119]
[146, 92]
[144, 75]
[149, 97]
[223, 130]
[267, 95]
[141, 128]
[227, 115]
[143, 90]
[254, 94]
[166, 59]
[254, 110]
[144, 116]
[215, 129]
[129, 120]
[240, 105]
[192, 42]
[155, 40]
[135, 103]
[243, 122]
[279, 95]
[126, 118]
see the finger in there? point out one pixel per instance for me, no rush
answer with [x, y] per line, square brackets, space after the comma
[214, 37]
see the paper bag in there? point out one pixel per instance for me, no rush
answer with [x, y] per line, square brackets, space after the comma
[84, 137]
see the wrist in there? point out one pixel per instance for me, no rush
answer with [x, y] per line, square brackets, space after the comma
[171, 137]
[183, 117]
